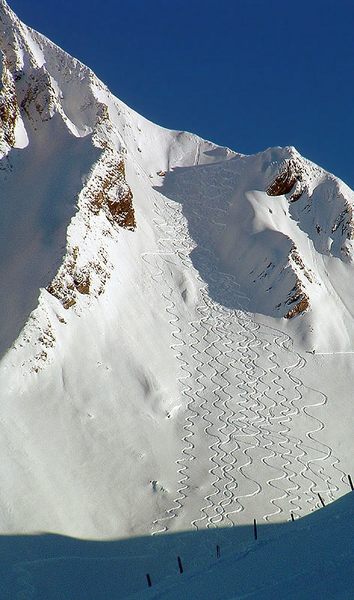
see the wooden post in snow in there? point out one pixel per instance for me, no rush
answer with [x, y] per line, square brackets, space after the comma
[321, 500]
[351, 483]
[255, 528]
[180, 566]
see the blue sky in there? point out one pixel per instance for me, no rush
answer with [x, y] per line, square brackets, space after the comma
[247, 74]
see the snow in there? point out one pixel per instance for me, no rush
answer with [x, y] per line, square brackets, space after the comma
[309, 558]
[174, 396]
[37, 206]
[21, 137]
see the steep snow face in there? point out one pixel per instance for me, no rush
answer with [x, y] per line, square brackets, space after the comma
[161, 294]
[39, 187]
[277, 223]
[69, 119]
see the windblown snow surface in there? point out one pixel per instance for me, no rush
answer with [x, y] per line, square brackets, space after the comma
[176, 335]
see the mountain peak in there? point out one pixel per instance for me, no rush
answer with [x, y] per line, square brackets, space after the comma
[44, 88]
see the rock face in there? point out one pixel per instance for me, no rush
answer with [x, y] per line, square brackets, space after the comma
[112, 194]
[106, 195]
[285, 181]
[9, 111]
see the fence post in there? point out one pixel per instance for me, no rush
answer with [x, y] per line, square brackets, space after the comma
[351, 483]
[148, 580]
[321, 500]
[255, 528]
[217, 551]
[292, 516]
[180, 564]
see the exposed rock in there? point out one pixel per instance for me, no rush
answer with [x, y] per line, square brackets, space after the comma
[82, 284]
[112, 194]
[62, 287]
[37, 95]
[294, 176]
[284, 182]
[344, 222]
[299, 308]
[298, 297]
[9, 111]
[295, 256]
[107, 193]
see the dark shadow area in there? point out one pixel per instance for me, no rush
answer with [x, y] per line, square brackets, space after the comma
[205, 193]
[325, 216]
[244, 268]
[39, 186]
[53, 567]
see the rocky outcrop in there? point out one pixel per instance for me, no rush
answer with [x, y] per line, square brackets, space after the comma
[299, 308]
[299, 299]
[9, 110]
[343, 227]
[72, 279]
[289, 179]
[38, 99]
[111, 194]
[108, 195]
[283, 183]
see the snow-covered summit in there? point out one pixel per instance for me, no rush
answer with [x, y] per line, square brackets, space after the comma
[57, 109]
[42, 83]
[160, 296]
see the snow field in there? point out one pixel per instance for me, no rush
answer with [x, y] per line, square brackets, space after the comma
[247, 411]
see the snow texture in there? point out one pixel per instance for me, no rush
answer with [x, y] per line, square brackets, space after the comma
[176, 327]
[309, 558]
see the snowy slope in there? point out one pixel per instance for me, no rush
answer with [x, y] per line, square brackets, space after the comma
[162, 297]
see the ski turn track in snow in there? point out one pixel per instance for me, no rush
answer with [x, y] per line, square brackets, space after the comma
[243, 454]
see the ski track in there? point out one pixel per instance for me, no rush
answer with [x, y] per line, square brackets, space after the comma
[188, 444]
[248, 412]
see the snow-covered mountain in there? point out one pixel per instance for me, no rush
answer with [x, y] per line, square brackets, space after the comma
[161, 301]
